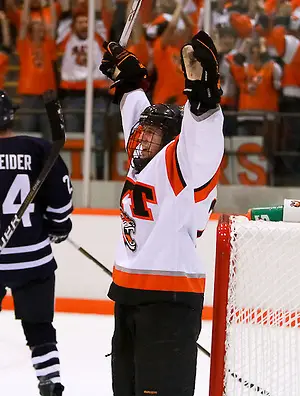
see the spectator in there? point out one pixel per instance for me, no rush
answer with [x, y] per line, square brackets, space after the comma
[108, 9]
[259, 82]
[80, 6]
[168, 32]
[4, 48]
[235, 15]
[118, 20]
[37, 12]
[143, 49]
[37, 51]
[287, 47]
[73, 83]
[227, 39]
[226, 49]
[195, 9]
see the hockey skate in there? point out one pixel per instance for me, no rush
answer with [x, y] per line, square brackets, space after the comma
[50, 389]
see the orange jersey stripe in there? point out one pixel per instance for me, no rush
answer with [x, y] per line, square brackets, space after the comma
[158, 282]
[174, 173]
[203, 192]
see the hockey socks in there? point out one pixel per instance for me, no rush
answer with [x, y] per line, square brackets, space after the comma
[45, 360]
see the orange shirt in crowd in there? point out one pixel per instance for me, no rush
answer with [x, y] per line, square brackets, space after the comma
[107, 17]
[170, 80]
[196, 16]
[295, 4]
[146, 11]
[36, 66]
[257, 91]
[288, 49]
[270, 6]
[241, 23]
[227, 81]
[3, 68]
[141, 51]
[43, 14]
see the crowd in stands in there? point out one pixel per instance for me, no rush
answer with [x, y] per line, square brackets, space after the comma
[258, 43]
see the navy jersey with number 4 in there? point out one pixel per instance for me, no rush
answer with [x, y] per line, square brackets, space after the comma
[28, 254]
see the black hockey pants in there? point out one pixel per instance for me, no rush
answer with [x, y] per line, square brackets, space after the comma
[154, 349]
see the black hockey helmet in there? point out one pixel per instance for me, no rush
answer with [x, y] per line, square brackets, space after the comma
[7, 111]
[163, 120]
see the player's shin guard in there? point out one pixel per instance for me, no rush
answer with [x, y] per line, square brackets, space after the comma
[41, 339]
[45, 360]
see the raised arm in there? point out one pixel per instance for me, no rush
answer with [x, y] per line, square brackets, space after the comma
[200, 147]
[201, 142]
[132, 105]
[6, 39]
[25, 18]
[172, 25]
[130, 77]
[52, 25]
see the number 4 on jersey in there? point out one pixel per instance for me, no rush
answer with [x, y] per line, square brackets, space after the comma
[18, 191]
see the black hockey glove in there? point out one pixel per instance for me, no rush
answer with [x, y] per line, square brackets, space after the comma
[58, 232]
[200, 66]
[124, 69]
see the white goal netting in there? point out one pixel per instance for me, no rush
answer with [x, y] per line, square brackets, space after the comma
[262, 349]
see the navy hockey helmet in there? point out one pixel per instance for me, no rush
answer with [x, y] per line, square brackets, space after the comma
[158, 125]
[7, 111]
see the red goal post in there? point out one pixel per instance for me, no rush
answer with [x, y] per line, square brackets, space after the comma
[256, 317]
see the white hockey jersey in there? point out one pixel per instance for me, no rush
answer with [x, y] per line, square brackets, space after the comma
[167, 205]
[74, 68]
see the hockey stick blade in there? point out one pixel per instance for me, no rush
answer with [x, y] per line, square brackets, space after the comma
[56, 120]
[250, 385]
[126, 33]
[130, 22]
[245, 383]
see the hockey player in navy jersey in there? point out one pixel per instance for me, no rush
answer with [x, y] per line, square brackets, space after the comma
[27, 264]
[169, 193]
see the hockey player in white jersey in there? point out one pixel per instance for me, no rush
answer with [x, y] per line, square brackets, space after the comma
[169, 193]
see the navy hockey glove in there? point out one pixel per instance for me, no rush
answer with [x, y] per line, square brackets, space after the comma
[124, 68]
[59, 232]
[200, 66]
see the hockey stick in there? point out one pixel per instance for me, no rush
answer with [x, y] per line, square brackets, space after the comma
[249, 385]
[89, 256]
[56, 120]
[108, 272]
[133, 13]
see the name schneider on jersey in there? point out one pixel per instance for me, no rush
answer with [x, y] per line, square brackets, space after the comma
[15, 162]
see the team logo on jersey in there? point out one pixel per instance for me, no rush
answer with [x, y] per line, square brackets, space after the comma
[128, 229]
[295, 204]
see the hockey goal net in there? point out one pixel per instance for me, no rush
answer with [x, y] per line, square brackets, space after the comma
[256, 324]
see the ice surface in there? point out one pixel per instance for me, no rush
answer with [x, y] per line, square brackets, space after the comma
[83, 342]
